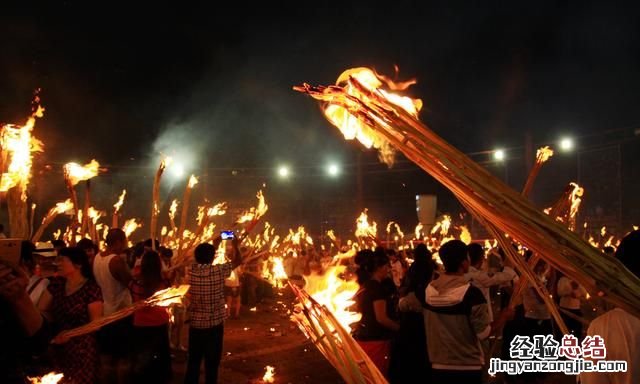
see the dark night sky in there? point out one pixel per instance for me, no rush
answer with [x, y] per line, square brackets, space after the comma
[218, 81]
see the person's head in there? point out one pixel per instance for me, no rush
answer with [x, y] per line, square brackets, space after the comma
[116, 240]
[628, 252]
[88, 247]
[151, 271]
[393, 256]
[609, 250]
[73, 260]
[58, 245]
[205, 253]
[476, 255]
[421, 254]
[454, 256]
[148, 244]
[371, 265]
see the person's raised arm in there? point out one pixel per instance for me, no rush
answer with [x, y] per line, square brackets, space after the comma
[13, 289]
[237, 255]
[120, 271]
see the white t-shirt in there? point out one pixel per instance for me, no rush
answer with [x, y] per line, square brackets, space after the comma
[116, 296]
[621, 333]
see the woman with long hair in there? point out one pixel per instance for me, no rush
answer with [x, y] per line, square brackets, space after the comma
[375, 329]
[152, 362]
[71, 300]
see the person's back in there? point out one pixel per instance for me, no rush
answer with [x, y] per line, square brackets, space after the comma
[206, 310]
[456, 319]
[116, 295]
[619, 329]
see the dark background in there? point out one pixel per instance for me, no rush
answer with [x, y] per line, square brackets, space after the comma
[211, 85]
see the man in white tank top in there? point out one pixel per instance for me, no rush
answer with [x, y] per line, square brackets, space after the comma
[112, 273]
[113, 276]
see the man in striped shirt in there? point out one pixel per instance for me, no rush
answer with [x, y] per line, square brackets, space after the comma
[206, 310]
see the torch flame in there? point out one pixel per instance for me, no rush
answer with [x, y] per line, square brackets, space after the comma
[18, 143]
[254, 213]
[353, 127]
[49, 378]
[543, 154]
[465, 235]
[363, 228]
[442, 225]
[76, 173]
[118, 205]
[63, 207]
[217, 210]
[269, 374]
[94, 214]
[337, 294]
[193, 181]
[130, 226]
[173, 209]
[169, 296]
[418, 231]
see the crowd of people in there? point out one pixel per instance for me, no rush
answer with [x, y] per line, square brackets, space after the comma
[84, 284]
[440, 323]
[421, 321]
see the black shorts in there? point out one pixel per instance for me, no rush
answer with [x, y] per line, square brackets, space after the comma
[231, 291]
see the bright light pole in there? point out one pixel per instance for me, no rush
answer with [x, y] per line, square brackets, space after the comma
[283, 172]
[566, 144]
[333, 170]
[499, 155]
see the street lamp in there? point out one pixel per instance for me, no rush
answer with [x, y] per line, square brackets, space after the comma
[177, 169]
[283, 172]
[566, 144]
[333, 170]
[499, 155]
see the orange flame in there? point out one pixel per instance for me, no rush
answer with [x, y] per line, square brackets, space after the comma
[418, 231]
[543, 154]
[130, 226]
[254, 213]
[269, 374]
[351, 126]
[465, 235]
[76, 173]
[169, 296]
[193, 181]
[118, 205]
[94, 214]
[173, 209]
[443, 225]
[363, 228]
[337, 294]
[49, 378]
[18, 144]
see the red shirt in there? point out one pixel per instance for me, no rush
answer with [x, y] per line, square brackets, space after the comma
[147, 316]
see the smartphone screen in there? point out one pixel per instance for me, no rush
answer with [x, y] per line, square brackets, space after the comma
[226, 235]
